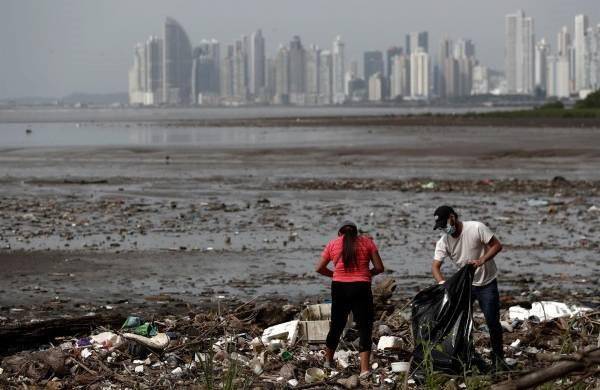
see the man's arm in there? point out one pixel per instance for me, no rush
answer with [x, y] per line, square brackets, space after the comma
[322, 267]
[436, 270]
[492, 248]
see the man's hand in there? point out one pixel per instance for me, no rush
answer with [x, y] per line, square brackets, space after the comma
[477, 263]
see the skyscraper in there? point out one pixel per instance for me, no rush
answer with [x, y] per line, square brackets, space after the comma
[400, 77]
[542, 51]
[282, 75]
[177, 64]
[226, 73]
[519, 53]
[338, 71]
[240, 68]
[419, 74]
[373, 63]
[390, 54]
[313, 57]
[257, 63]
[145, 76]
[375, 93]
[579, 43]
[325, 77]
[205, 69]
[414, 40]
[297, 71]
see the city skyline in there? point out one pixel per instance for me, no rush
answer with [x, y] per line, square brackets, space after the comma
[94, 43]
[298, 75]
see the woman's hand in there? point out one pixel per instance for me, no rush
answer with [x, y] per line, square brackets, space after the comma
[322, 267]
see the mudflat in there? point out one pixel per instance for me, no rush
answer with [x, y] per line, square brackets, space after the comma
[180, 220]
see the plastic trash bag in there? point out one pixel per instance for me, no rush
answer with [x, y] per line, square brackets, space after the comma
[442, 323]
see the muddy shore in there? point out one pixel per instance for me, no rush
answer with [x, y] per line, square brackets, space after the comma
[110, 226]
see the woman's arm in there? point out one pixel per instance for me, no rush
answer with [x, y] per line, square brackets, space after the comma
[322, 267]
[377, 264]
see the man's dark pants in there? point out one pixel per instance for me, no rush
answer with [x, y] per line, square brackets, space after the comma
[489, 302]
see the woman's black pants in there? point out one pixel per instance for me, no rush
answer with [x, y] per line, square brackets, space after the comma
[355, 297]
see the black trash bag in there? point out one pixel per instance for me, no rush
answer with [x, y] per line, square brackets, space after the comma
[442, 322]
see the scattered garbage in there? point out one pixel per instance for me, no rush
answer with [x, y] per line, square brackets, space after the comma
[206, 342]
[546, 310]
[314, 374]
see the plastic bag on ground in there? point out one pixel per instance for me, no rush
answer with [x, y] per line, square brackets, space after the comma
[442, 322]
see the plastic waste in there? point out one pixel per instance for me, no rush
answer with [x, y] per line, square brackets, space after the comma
[314, 375]
[545, 310]
[442, 323]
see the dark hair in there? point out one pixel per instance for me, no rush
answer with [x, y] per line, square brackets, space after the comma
[350, 234]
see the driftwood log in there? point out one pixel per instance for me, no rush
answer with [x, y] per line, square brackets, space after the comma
[583, 361]
[19, 337]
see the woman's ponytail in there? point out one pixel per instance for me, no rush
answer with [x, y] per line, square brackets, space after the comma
[350, 234]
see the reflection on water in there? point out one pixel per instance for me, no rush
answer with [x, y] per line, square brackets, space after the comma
[71, 134]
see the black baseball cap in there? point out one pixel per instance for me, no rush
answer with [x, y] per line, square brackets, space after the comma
[441, 216]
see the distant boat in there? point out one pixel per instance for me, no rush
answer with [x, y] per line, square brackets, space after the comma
[28, 131]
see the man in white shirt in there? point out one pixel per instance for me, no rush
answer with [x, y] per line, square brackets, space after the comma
[472, 242]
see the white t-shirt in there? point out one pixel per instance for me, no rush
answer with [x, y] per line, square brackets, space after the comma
[470, 245]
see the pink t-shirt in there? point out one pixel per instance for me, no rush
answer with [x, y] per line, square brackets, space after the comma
[365, 248]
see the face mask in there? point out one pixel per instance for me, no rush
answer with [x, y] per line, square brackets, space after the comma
[450, 229]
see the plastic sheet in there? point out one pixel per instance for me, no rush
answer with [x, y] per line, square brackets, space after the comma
[442, 322]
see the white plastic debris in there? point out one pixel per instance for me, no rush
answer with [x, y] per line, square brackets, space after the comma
[400, 366]
[506, 326]
[389, 342]
[545, 310]
[510, 361]
[516, 343]
[139, 369]
[314, 375]
[177, 371]
[293, 382]
[286, 330]
[86, 353]
[160, 341]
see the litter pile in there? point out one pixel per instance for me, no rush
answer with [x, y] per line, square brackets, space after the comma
[235, 347]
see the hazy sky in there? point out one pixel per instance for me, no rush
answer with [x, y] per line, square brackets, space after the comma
[55, 47]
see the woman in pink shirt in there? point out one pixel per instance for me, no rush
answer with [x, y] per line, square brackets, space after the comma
[351, 256]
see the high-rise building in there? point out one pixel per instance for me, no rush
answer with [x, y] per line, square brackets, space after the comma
[376, 86]
[390, 54]
[594, 48]
[464, 48]
[542, 51]
[227, 73]
[481, 80]
[282, 75]
[373, 63]
[313, 57]
[558, 79]
[325, 77]
[177, 64]
[563, 41]
[297, 71]
[579, 43]
[400, 77]
[240, 75]
[419, 74]
[339, 71]
[415, 40]
[145, 76]
[257, 63]
[205, 69]
[519, 53]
